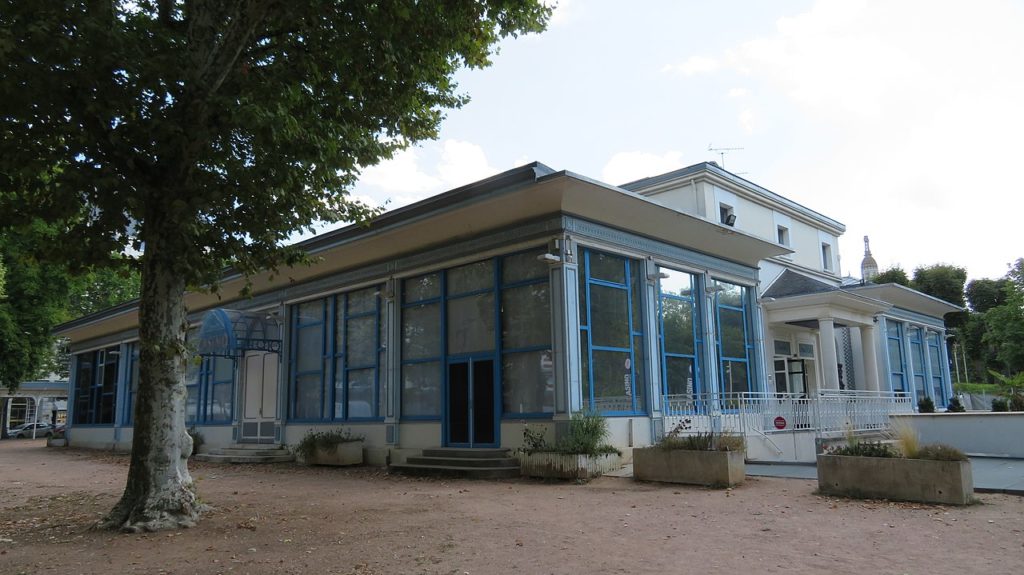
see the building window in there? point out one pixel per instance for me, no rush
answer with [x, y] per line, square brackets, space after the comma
[422, 352]
[679, 333]
[917, 360]
[336, 358]
[611, 334]
[96, 386]
[894, 349]
[937, 373]
[733, 337]
[783, 347]
[527, 372]
[133, 384]
[726, 214]
[782, 233]
[826, 257]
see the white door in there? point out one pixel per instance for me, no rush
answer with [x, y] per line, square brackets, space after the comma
[259, 399]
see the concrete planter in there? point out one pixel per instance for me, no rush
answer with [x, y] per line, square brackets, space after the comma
[715, 468]
[894, 478]
[56, 442]
[347, 453]
[568, 466]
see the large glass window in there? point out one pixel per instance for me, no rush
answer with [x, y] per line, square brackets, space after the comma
[421, 346]
[679, 333]
[734, 344]
[917, 362]
[336, 357]
[894, 349]
[937, 373]
[611, 334]
[96, 386]
[528, 380]
[133, 383]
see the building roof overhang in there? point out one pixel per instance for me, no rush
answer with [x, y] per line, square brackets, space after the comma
[906, 298]
[520, 195]
[838, 305]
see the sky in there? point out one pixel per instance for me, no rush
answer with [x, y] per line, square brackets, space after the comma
[901, 119]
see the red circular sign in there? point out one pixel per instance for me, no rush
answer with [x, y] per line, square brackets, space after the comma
[780, 422]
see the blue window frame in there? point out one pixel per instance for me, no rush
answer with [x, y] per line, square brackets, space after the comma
[96, 386]
[423, 346]
[527, 369]
[611, 334]
[894, 352]
[917, 364]
[679, 333]
[336, 357]
[935, 366]
[132, 388]
[733, 341]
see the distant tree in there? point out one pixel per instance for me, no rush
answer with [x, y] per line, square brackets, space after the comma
[893, 275]
[204, 134]
[100, 289]
[985, 294]
[943, 281]
[1005, 323]
[34, 301]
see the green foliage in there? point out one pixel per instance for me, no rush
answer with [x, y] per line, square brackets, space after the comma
[893, 275]
[955, 405]
[940, 452]
[1000, 404]
[867, 449]
[985, 294]
[943, 281]
[1004, 324]
[978, 388]
[318, 440]
[587, 434]
[926, 405]
[679, 438]
[1016, 402]
[197, 439]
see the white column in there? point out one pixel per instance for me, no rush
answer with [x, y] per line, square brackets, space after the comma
[829, 360]
[565, 324]
[869, 348]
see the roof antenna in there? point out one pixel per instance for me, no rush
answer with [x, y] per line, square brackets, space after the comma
[722, 152]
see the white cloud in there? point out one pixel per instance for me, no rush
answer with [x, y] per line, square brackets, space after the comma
[626, 167]
[564, 11]
[737, 93]
[400, 174]
[746, 120]
[909, 108]
[694, 65]
[463, 163]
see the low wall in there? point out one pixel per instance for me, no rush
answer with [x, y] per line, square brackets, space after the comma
[993, 434]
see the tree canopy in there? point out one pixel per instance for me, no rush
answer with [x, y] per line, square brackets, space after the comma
[183, 136]
[893, 275]
[985, 294]
[1005, 323]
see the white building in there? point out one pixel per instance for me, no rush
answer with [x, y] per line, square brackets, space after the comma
[534, 294]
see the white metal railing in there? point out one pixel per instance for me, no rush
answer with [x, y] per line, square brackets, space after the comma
[826, 413]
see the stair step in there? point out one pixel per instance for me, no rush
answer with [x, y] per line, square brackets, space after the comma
[466, 453]
[267, 452]
[215, 458]
[480, 462]
[456, 471]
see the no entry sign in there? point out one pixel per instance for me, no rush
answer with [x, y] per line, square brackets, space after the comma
[780, 422]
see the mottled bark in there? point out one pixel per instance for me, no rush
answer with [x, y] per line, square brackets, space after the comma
[159, 493]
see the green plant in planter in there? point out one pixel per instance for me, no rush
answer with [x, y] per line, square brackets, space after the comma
[926, 405]
[867, 449]
[700, 441]
[314, 441]
[1016, 402]
[197, 439]
[1000, 404]
[587, 434]
[955, 405]
[940, 452]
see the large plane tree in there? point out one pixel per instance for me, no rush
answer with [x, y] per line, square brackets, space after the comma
[189, 135]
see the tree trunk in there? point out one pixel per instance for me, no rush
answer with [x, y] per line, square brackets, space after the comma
[159, 493]
[3, 418]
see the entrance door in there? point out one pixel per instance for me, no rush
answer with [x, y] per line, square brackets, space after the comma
[796, 377]
[471, 404]
[259, 397]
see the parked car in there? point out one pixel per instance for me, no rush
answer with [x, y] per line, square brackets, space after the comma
[25, 430]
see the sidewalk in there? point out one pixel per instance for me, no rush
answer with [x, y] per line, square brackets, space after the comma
[991, 474]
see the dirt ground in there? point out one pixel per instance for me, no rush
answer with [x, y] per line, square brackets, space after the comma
[292, 519]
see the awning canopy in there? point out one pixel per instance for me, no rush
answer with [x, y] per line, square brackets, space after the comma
[230, 333]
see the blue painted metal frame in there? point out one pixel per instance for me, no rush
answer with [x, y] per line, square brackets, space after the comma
[696, 325]
[502, 351]
[94, 391]
[442, 343]
[902, 372]
[588, 329]
[132, 351]
[916, 350]
[933, 340]
[747, 342]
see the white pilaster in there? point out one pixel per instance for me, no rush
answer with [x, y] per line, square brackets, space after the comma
[869, 347]
[829, 360]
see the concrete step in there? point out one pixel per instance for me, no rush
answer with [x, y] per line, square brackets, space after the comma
[455, 471]
[466, 452]
[218, 458]
[248, 452]
[489, 462]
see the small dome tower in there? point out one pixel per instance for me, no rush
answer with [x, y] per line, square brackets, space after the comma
[868, 266]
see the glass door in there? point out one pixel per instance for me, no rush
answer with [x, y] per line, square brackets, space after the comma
[471, 416]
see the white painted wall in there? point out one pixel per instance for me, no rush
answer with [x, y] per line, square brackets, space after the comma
[996, 434]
